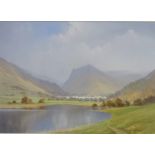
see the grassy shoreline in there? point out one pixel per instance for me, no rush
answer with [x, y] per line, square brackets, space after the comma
[41, 105]
[127, 120]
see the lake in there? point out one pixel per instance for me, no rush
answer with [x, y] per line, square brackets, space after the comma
[51, 118]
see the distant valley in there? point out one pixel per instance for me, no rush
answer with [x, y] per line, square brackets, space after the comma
[90, 81]
[83, 81]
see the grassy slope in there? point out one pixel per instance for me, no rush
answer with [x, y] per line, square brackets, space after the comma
[124, 120]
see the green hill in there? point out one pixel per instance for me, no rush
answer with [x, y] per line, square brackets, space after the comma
[142, 88]
[15, 83]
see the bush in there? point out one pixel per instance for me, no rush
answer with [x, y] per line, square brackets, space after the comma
[127, 103]
[94, 105]
[110, 103]
[41, 101]
[14, 101]
[119, 102]
[26, 100]
[103, 104]
[150, 99]
[115, 103]
[138, 102]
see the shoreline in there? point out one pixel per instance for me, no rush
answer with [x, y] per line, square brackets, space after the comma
[43, 105]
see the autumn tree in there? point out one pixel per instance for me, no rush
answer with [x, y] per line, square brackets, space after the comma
[119, 102]
[110, 103]
[41, 101]
[138, 102]
[26, 100]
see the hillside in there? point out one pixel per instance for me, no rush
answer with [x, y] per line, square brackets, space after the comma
[15, 82]
[139, 89]
[125, 77]
[88, 80]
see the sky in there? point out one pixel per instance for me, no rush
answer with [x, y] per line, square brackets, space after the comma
[51, 50]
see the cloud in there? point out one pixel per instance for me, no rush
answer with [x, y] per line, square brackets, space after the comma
[53, 51]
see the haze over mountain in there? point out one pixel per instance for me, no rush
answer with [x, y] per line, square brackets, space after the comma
[88, 80]
[142, 88]
[15, 82]
[125, 77]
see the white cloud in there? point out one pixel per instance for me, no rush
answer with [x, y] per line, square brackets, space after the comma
[106, 45]
[86, 43]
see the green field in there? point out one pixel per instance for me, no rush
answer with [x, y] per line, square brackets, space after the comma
[47, 102]
[131, 120]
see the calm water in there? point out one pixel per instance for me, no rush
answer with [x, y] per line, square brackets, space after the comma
[52, 118]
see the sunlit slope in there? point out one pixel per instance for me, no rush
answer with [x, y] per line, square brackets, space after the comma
[14, 83]
[139, 89]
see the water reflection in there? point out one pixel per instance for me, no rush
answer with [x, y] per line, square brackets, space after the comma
[52, 118]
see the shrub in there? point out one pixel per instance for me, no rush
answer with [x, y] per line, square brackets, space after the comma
[127, 103]
[138, 102]
[94, 105]
[26, 100]
[150, 99]
[103, 104]
[41, 101]
[14, 101]
[110, 103]
[119, 102]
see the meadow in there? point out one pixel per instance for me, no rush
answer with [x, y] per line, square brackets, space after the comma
[36, 105]
[126, 120]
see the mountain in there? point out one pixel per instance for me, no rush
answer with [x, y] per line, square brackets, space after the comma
[88, 80]
[125, 77]
[142, 88]
[15, 82]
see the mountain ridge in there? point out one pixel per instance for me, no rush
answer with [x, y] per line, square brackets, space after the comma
[88, 80]
[15, 82]
[141, 88]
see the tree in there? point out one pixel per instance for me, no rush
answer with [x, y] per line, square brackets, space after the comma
[150, 99]
[138, 102]
[110, 103]
[127, 103]
[103, 104]
[41, 100]
[26, 100]
[14, 101]
[119, 102]
[94, 106]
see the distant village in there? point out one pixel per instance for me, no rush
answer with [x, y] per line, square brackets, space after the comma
[82, 98]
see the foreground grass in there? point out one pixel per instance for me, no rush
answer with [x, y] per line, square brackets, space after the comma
[132, 120]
